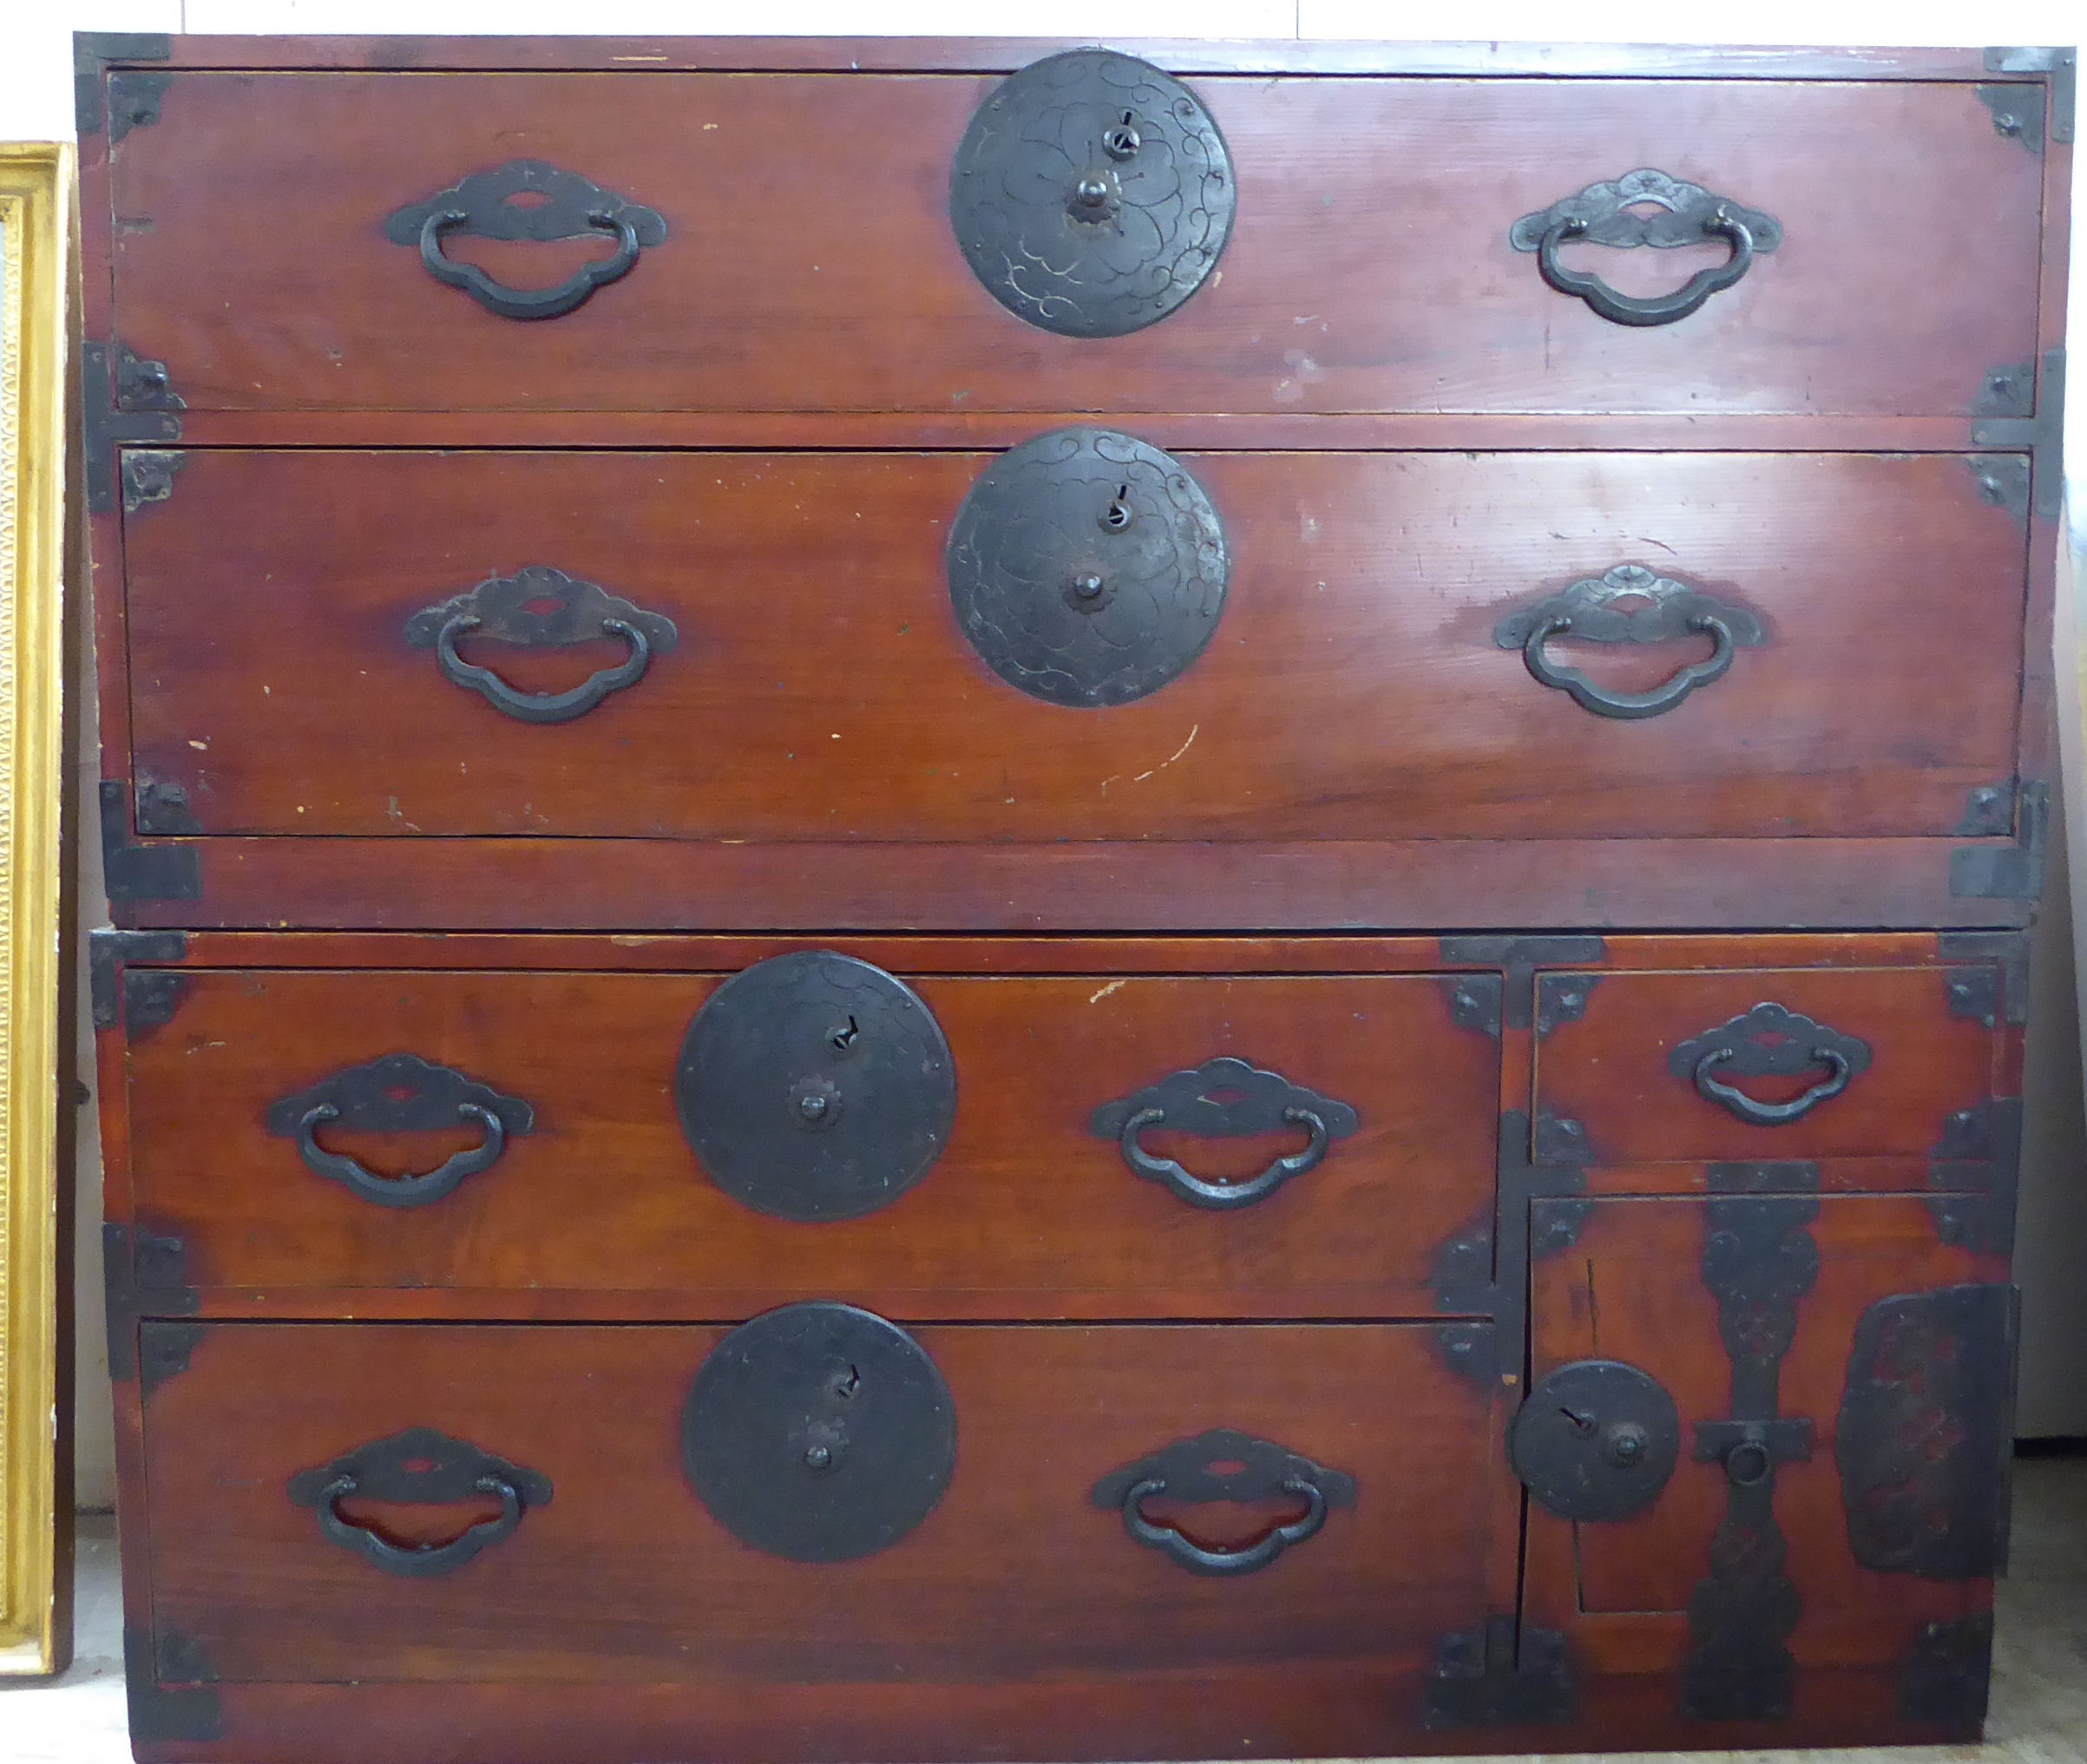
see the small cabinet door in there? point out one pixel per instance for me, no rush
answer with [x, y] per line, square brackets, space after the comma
[1792, 1500]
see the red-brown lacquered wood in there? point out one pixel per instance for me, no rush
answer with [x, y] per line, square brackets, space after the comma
[625, 1576]
[1631, 1288]
[828, 277]
[821, 687]
[1249, 1710]
[1356, 954]
[658, 885]
[1609, 1070]
[1025, 1203]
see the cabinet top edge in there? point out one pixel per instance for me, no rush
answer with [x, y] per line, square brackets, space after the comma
[1003, 55]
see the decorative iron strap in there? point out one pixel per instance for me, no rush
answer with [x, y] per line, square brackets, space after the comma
[1760, 1258]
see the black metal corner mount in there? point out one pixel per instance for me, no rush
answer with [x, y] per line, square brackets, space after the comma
[95, 52]
[2063, 66]
[2007, 872]
[135, 872]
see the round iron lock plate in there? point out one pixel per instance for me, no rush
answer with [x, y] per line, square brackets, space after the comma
[819, 1433]
[1087, 568]
[1092, 193]
[813, 1086]
[1597, 1439]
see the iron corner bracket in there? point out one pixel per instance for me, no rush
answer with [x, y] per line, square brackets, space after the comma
[110, 950]
[2041, 435]
[2007, 872]
[1479, 1681]
[95, 52]
[126, 400]
[182, 1711]
[2062, 65]
[135, 872]
[2008, 950]
[144, 1273]
[1520, 957]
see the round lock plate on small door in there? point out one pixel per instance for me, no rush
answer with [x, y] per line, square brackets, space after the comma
[814, 1087]
[1092, 193]
[1087, 568]
[819, 1433]
[1597, 1439]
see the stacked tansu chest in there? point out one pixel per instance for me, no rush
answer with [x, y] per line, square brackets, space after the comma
[984, 899]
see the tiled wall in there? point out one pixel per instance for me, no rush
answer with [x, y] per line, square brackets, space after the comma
[35, 103]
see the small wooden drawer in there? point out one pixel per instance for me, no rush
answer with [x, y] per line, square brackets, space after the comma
[793, 249]
[1093, 1144]
[1766, 1064]
[1403, 646]
[950, 1507]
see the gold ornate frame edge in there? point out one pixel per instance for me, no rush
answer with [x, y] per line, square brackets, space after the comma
[36, 226]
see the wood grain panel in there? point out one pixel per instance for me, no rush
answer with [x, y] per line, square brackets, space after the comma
[1024, 1202]
[625, 1576]
[822, 690]
[810, 264]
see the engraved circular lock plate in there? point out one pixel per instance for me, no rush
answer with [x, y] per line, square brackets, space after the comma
[813, 1086]
[1092, 193]
[1597, 1439]
[819, 1433]
[1087, 568]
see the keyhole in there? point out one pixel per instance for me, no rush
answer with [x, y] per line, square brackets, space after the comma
[1582, 1425]
[1118, 515]
[848, 1382]
[844, 1038]
[1122, 139]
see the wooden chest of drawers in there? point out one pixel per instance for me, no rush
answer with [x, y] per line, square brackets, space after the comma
[986, 901]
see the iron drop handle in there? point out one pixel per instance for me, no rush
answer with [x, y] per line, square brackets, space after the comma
[399, 1190]
[1664, 309]
[1227, 1098]
[1221, 1195]
[542, 707]
[528, 303]
[1770, 1040]
[1629, 706]
[1773, 1114]
[1196, 1559]
[421, 1467]
[1222, 1464]
[1645, 207]
[399, 1093]
[418, 1560]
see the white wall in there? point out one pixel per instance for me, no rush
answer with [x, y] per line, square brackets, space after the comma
[36, 104]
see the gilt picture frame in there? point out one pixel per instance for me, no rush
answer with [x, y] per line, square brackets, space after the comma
[35, 228]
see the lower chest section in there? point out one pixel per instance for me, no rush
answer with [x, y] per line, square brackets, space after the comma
[588, 1348]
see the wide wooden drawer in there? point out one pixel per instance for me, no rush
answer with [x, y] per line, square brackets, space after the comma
[808, 260]
[1302, 1146]
[1766, 1064]
[1370, 672]
[967, 1525]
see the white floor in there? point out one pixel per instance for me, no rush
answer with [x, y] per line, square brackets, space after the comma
[2039, 1697]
